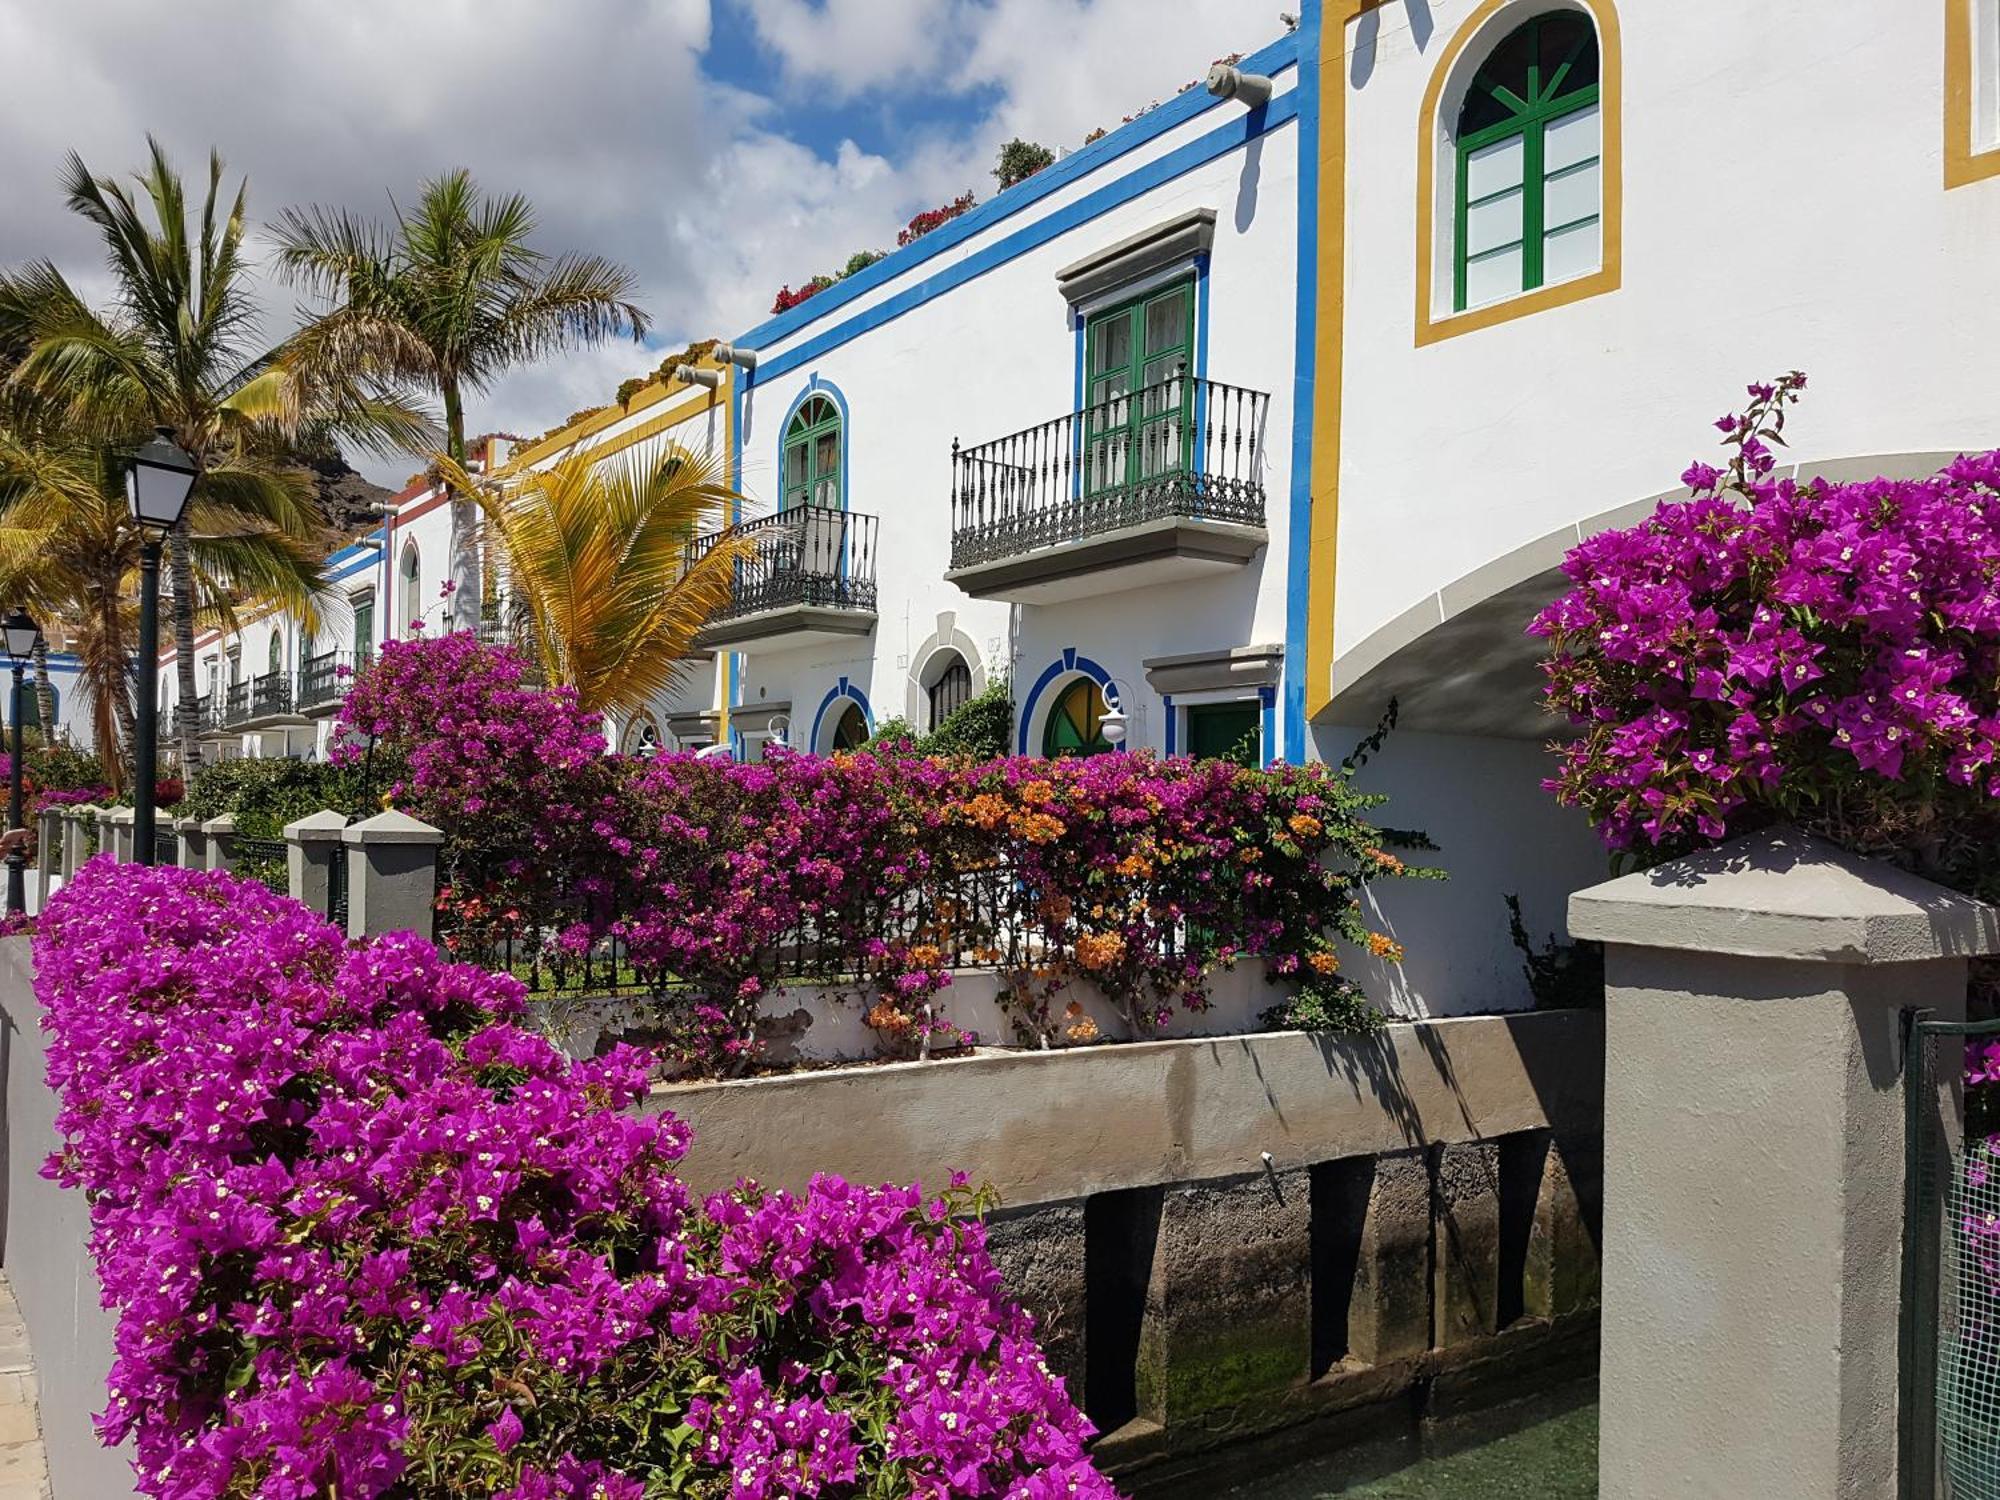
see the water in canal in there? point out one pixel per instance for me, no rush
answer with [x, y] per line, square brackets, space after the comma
[1545, 1458]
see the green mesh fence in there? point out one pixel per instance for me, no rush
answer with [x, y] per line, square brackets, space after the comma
[1951, 1273]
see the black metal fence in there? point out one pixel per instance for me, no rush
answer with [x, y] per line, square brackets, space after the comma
[324, 678]
[1950, 1405]
[811, 555]
[1183, 448]
[265, 860]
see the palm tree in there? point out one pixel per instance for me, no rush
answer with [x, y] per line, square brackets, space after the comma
[69, 551]
[598, 561]
[178, 349]
[451, 296]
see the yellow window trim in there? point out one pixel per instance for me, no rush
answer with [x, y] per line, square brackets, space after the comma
[1606, 278]
[1962, 163]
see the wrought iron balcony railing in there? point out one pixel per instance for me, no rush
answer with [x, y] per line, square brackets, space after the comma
[324, 679]
[235, 704]
[809, 556]
[200, 717]
[271, 694]
[1182, 449]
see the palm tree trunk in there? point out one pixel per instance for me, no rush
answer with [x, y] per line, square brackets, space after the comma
[463, 613]
[45, 693]
[112, 718]
[180, 562]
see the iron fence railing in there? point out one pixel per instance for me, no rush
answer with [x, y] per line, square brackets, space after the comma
[166, 847]
[1950, 1405]
[808, 556]
[235, 704]
[325, 678]
[265, 860]
[982, 918]
[1182, 448]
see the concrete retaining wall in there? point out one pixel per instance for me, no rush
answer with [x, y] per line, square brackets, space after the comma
[43, 1251]
[1310, 1241]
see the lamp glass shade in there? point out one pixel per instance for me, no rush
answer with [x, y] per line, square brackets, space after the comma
[21, 633]
[157, 484]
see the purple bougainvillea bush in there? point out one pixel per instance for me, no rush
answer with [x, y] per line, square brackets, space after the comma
[1824, 654]
[366, 1236]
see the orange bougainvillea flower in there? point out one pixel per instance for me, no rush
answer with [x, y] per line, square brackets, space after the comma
[1036, 793]
[1305, 826]
[1384, 946]
[1095, 950]
[1324, 962]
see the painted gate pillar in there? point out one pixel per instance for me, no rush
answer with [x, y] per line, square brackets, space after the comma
[1754, 1162]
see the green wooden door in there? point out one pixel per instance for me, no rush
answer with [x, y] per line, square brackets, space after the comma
[1138, 397]
[1225, 731]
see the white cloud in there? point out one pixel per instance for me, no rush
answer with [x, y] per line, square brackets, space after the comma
[599, 111]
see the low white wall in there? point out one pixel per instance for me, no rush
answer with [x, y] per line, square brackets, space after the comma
[43, 1252]
[824, 1023]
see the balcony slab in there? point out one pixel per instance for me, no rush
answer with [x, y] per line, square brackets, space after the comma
[785, 629]
[1173, 549]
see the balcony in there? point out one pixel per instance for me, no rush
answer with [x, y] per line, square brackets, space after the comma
[1160, 486]
[325, 678]
[809, 578]
[200, 717]
[257, 703]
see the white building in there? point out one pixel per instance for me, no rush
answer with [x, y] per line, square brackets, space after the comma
[1286, 398]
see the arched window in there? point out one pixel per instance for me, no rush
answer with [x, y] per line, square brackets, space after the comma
[950, 689]
[1076, 723]
[812, 456]
[642, 736]
[1530, 194]
[274, 659]
[413, 589]
[850, 730]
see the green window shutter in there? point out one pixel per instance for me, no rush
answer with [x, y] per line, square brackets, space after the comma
[1138, 388]
[811, 461]
[1528, 201]
[1226, 731]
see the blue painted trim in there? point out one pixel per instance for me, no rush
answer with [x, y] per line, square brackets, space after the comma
[1173, 112]
[1172, 727]
[1156, 173]
[841, 689]
[1066, 665]
[815, 386]
[1268, 697]
[1298, 557]
[736, 389]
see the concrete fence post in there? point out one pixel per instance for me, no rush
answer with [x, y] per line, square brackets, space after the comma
[391, 874]
[82, 820]
[107, 839]
[1754, 1161]
[312, 844]
[219, 834]
[118, 821]
[50, 844]
[193, 843]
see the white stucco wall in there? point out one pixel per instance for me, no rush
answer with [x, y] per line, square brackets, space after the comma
[1784, 207]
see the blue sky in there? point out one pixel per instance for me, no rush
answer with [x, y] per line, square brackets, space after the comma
[720, 148]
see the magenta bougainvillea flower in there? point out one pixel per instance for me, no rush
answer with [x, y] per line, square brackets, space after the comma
[366, 1235]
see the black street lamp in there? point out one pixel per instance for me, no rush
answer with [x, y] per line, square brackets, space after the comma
[21, 634]
[156, 490]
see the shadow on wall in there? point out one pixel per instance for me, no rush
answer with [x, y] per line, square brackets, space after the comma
[1481, 801]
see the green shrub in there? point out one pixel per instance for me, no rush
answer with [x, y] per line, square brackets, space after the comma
[981, 727]
[265, 795]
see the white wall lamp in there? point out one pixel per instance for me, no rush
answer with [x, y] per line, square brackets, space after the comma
[690, 375]
[729, 354]
[1251, 90]
[1115, 725]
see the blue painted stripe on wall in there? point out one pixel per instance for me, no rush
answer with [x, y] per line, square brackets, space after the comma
[1178, 110]
[1298, 560]
[1164, 169]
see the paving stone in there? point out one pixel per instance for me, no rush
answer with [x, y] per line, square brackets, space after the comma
[23, 1469]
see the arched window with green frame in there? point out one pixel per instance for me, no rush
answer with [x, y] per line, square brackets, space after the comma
[1530, 193]
[1075, 725]
[812, 456]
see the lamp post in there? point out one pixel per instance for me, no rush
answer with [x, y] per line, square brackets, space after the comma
[21, 635]
[156, 491]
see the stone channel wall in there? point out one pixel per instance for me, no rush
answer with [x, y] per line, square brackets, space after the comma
[1230, 1238]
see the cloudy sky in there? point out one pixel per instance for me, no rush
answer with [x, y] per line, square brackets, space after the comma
[717, 147]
